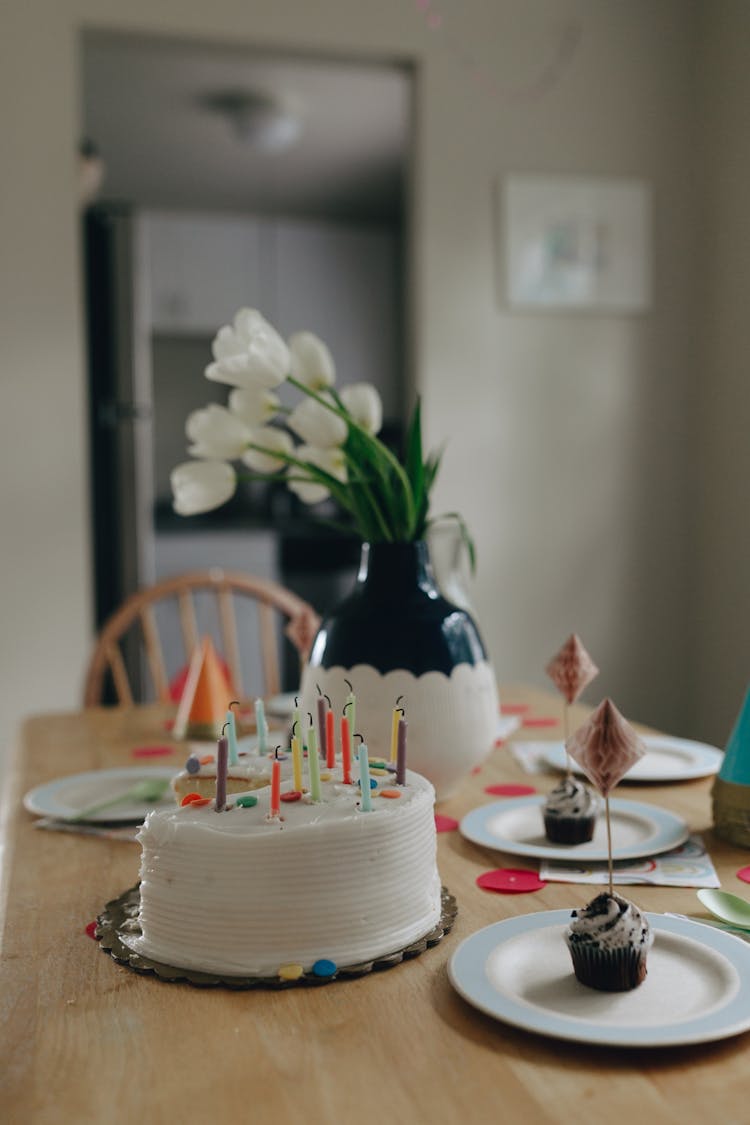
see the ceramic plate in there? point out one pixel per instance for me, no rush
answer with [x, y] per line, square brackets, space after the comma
[67, 795]
[516, 826]
[668, 759]
[519, 971]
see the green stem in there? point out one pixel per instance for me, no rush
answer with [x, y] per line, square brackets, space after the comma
[382, 450]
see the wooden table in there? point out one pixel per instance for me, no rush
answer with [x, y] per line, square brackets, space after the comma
[87, 1040]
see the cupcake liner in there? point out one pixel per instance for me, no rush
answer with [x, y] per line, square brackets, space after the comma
[609, 970]
[569, 829]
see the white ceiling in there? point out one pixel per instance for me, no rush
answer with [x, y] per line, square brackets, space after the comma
[162, 148]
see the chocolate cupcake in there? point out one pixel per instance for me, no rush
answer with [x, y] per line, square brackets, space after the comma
[570, 812]
[609, 940]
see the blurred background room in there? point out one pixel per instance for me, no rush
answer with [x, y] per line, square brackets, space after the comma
[347, 168]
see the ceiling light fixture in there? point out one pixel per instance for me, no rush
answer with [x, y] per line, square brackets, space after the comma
[255, 118]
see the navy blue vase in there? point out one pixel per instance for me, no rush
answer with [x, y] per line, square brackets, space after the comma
[395, 638]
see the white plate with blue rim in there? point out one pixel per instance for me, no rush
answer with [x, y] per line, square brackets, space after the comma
[697, 988]
[67, 796]
[666, 759]
[516, 826]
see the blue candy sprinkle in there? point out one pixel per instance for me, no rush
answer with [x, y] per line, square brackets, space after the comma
[192, 765]
[324, 968]
[373, 783]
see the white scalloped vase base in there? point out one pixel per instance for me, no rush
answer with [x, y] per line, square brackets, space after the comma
[452, 720]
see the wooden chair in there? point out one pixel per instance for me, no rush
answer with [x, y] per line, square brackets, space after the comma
[274, 604]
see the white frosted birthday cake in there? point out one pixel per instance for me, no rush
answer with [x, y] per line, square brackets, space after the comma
[244, 892]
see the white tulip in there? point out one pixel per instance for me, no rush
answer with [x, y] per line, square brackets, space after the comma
[332, 461]
[200, 486]
[317, 425]
[364, 404]
[216, 433]
[249, 353]
[270, 437]
[254, 405]
[312, 362]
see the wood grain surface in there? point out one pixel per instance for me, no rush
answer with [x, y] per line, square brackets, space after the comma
[86, 1040]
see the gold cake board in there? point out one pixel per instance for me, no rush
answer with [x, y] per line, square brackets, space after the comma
[118, 922]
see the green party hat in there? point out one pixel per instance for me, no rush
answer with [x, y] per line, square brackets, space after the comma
[736, 765]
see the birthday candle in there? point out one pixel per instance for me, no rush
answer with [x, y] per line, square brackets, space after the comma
[275, 788]
[401, 753]
[346, 750]
[330, 741]
[297, 763]
[260, 722]
[222, 753]
[233, 751]
[364, 778]
[313, 764]
[322, 725]
[351, 705]
[394, 732]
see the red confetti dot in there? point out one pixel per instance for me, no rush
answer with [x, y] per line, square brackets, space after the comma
[168, 724]
[90, 930]
[292, 795]
[744, 874]
[445, 823]
[510, 790]
[476, 770]
[544, 722]
[152, 751]
[514, 708]
[510, 881]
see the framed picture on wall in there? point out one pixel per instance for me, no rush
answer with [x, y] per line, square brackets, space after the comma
[576, 242]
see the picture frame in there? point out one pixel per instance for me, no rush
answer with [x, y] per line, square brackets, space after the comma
[573, 242]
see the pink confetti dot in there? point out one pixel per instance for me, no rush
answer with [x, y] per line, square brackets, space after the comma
[744, 874]
[510, 881]
[90, 930]
[168, 724]
[152, 751]
[445, 823]
[476, 770]
[544, 722]
[510, 790]
[514, 708]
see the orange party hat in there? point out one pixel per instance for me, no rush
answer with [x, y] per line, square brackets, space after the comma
[205, 698]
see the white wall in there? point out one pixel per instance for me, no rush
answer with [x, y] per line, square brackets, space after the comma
[572, 431]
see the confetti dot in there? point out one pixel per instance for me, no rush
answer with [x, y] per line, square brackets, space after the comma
[206, 760]
[324, 968]
[510, 790]
[325, 777]
[247, 802]
[514, 708]
[292, 795]
[547, 721]
[390, 793]
[191, 799]
[510, 881]
[744, 874]
[291, 972]
[169, 724]
[476, 770]
[152, 751]
[445, 823]
[90, 931]
[373, 783]
[192, 765]
[379, 771]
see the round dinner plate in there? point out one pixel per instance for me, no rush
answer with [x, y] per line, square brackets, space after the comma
[516, 826]
[667, 759]
[519, 971]
[66, 796]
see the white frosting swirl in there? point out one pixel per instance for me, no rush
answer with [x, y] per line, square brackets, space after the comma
[571, 798]
[610, 922]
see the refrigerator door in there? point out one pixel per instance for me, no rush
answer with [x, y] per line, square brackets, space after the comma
[120, 401]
